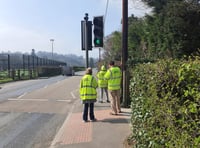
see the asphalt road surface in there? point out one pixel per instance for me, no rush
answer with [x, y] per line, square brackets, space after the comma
[32, 112]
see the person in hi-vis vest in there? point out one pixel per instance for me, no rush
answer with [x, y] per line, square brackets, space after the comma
[88, 94]
[102, 84]
[113, 75]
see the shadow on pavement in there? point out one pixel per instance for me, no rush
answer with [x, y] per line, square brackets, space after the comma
[115, 121]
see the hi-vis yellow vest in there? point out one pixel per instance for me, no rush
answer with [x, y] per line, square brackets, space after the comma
[102, 82]
[88, 87]
[113, 75]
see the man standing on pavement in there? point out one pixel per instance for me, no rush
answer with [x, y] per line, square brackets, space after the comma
[103, 84]
[88, 94]
[113, 75]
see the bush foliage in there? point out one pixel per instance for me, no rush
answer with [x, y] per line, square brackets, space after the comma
[165, 102]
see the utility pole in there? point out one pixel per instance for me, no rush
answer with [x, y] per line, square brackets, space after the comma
[125, 74]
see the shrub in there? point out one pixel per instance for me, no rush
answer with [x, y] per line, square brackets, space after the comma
[165, 104]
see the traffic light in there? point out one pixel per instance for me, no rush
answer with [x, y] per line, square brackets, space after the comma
[86, 35]
[98, 31]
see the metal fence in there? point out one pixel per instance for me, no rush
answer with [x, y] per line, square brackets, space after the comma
[14, 64]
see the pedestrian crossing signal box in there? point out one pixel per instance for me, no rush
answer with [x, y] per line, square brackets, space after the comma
[98, 31]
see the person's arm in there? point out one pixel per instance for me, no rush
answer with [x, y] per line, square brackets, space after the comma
[95, 84]
[98, 75]
[107, 75]
[80, 87]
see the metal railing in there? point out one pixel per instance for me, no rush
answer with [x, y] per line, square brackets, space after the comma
[24, 66]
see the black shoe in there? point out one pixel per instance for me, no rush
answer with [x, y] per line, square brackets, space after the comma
[108, 101]
[93, 120]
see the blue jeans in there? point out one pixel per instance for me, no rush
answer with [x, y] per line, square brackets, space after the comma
[85, 112]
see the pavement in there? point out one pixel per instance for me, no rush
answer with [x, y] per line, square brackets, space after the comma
[109, 131]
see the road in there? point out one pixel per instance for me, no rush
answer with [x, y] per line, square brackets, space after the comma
[32, 112]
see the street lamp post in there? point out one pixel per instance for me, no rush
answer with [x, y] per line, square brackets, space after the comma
[52, 40]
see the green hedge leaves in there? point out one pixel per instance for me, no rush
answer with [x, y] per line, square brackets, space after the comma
[165, 102]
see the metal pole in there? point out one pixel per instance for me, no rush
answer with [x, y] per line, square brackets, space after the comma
[28, 62]
[24, 63]
[52, 40]
[99, 54]
[86, 39]
[33, 61]
[9, 66]
[125, 75]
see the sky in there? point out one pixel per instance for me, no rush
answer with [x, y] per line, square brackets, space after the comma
[30, 24]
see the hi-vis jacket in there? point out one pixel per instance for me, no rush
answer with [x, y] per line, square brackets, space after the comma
[88, 87]
[102, 82]
[113, 75]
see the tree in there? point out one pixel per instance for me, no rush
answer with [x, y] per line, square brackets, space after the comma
[172, 31]
[113, 46]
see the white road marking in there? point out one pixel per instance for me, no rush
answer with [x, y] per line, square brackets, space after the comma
[41, 100]
[22, 95]
[72, 93]
[28, 100]
[63, 100]
[45, 86]
[73, 96]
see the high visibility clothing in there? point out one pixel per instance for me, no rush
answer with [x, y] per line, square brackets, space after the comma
[103, 68]
[102, 82]
[88, 87]
[113, 75]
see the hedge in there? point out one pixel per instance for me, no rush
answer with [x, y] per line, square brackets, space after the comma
[165, 103]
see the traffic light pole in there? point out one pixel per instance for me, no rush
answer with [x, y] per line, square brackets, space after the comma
[86, 37]
[99, 54]
[125, 74]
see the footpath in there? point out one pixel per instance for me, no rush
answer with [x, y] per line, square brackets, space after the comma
[109, 131]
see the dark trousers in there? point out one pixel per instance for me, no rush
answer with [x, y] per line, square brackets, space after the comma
[85, 112]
